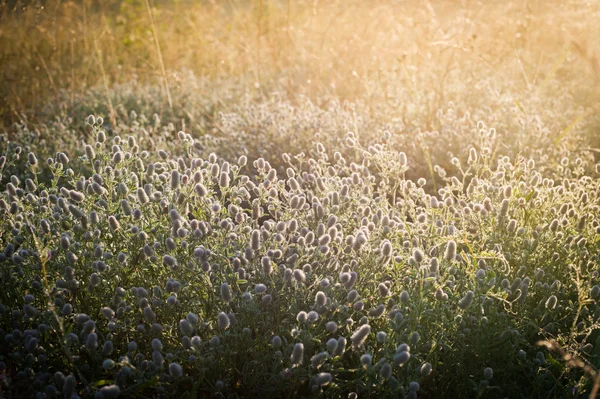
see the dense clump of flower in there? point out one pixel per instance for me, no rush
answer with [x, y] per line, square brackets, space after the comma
[338, 270]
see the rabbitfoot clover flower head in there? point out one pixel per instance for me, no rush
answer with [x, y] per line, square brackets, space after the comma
[488, 373]
[359, 336]
[297, 354]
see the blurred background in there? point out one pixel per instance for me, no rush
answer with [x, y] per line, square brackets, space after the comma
[348, 49]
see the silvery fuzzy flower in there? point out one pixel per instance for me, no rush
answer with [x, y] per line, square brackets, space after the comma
[110, 391]
[352, 296]
[157, 359]
[170, 261]
[76, 196]
[132, 346]
[465, 302]
[320, 298]
[318, 359]
[163, 155]
[149, 314]
[366, 360]
[404, 297]
[352, 281]
[381, 336]
[331, 326]
[31, 344]
[512, 226]
[175, 370]
[62, 158]
[359, 336]
[185, 327]
[403, 348]
[425, 369]
[214, 341]
[299, 275]
[386, 248]
[108, 313]
[539, 274]
[434, 265]
[72, 338]
[156, 328]
[224, 179]
[551, 302]
[65, 242]
[196, 341]
[400, 358]
[200, 190]
[413, 387]
[91, 341]
[142, 196]
[171, 246]
[30, 310]
[260, 288]
[358, 306]
[247, 296]
[332, 344]
[267, 299]
[255, 239]
[386, 370]
[267, 265]
[223, 321]
[32, 159]
[157, 345]
[108, 364]
[174, 215]
[175, 179]
[301, 317]
[67, 309]
[323, 379]
[242, 161]
[383, 290]
[414, 338]
[297, 354]
[113, 223]
[488, 373]
[276, 341]
[312, 317]
[89, 326]
[225, 292]
[450, 252]
[341, 347]
[192, 318]
[378, 311]
[89, 152]
[418, 255]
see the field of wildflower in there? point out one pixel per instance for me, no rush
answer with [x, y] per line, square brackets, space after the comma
[299, 199]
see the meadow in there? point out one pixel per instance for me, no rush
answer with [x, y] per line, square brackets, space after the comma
[299, 199]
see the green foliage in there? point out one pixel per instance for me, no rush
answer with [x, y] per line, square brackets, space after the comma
[149, 273]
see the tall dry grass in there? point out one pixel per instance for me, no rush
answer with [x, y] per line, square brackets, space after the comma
[323, 49]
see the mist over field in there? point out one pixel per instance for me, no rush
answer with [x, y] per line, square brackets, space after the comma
[278, 198]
